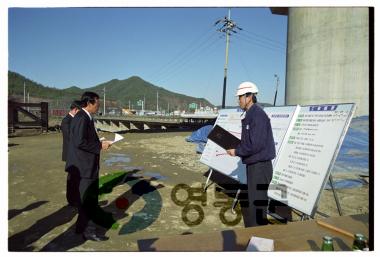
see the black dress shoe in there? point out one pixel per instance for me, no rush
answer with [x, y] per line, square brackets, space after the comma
[94, 237]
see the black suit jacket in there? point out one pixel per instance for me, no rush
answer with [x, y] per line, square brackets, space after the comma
[65, 128]
[84, 147]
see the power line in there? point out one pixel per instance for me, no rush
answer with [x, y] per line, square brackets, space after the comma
[185, 65]
[241, 61]
[259, 40]
[255, 35]
[188, 49]
[180, 59]
[258, 44]
[184, 61]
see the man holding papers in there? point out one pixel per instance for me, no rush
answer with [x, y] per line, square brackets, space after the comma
[83, 159]
[256, 149]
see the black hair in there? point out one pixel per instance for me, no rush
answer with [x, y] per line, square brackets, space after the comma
[254, 98]
[89, 97]
[76, 104]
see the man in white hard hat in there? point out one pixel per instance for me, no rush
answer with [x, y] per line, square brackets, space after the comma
[257, 149]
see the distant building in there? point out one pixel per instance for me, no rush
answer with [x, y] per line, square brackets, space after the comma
[113, 111]
[128, 112]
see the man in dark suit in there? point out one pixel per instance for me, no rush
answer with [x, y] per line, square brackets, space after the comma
[72, 183]
[83, 158]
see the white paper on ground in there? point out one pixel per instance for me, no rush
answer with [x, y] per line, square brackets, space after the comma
[259, 244]
[101, 139]
[118, 137]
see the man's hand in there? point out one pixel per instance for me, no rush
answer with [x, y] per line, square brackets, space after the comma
[106, 145]
[231, 152]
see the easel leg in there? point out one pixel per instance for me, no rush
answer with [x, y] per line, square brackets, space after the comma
[335, 196]
[235, 202]
[208, 178]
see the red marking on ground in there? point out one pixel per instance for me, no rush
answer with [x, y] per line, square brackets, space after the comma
[122, 203]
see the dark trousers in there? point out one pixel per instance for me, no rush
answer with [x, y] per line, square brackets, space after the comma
[72, 188]
[89, 191]
[259, 176]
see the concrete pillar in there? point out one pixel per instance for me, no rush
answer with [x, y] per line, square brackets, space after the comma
[327, 56]
[124, 126]
[99, 124]
[114, 126]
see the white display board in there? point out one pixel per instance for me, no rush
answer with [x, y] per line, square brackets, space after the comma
[307, 155]
[216, 157]
[230, 119]
[307, 142]
[281, 118]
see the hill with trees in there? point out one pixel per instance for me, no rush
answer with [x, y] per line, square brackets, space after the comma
[119, 93]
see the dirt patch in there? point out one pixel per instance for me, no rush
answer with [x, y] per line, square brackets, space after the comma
[155, 163]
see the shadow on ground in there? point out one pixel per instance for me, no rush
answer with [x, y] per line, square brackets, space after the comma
[23, 240]
[14, 212]
[106, 216]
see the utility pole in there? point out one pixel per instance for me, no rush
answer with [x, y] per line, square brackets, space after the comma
[157, 102]
[104, 101]
[129, 104]
[144, 103]
[227, 26]
[24, 91]
[277, 82]
[28, 100]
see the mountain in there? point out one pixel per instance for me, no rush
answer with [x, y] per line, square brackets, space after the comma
[135, 88]
[16, 88]
[119, 93]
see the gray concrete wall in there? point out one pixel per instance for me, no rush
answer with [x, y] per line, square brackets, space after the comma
[327, 57]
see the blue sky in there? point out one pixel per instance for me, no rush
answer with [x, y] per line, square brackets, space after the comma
[175, 48]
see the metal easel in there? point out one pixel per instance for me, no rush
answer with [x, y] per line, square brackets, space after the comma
[236, 199]
[335, 195]
[208, 179]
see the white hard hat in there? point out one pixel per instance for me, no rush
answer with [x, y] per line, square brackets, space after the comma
[247, 87]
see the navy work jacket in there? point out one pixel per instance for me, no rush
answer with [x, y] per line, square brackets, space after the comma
[257, 142]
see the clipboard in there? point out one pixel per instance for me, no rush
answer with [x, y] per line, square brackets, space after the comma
[223, 138]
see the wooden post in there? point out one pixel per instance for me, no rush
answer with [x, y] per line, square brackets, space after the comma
[45, 116]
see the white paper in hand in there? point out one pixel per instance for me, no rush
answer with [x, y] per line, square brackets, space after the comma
[259, 244]
[118, 137]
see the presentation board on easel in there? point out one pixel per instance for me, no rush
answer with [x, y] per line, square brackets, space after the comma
[215, 157]
[308, 154]
[307, 140]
